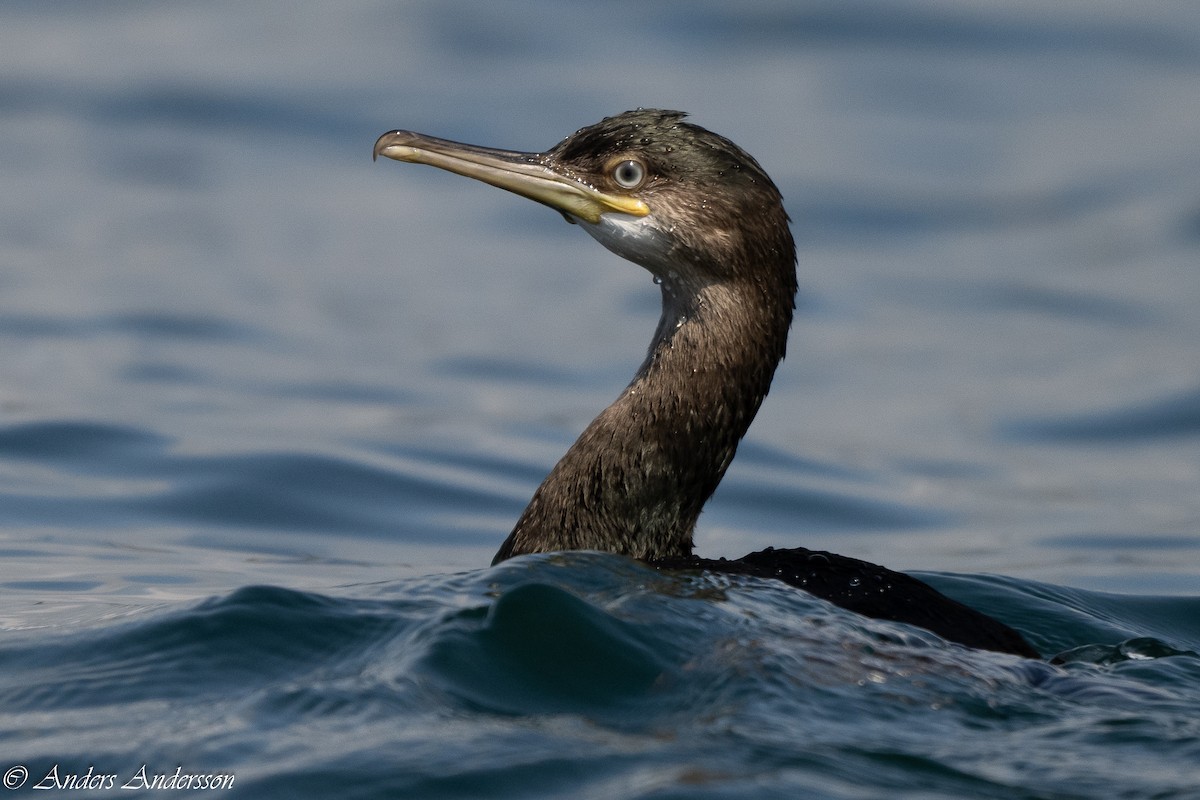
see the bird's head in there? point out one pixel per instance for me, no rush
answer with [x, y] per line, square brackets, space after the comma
[688, 205]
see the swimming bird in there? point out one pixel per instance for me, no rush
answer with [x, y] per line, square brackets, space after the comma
[703, 217]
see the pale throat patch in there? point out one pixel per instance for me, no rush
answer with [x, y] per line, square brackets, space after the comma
[637, 239]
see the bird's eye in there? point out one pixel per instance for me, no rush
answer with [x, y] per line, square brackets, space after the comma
[629, 174]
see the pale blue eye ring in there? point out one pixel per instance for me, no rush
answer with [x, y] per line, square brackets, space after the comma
[629, 174]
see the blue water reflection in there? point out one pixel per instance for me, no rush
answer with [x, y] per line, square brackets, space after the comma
[236, 353]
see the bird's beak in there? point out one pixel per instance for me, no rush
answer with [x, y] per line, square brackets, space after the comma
[527, 174]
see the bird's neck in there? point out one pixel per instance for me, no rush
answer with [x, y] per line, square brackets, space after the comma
[637, 478]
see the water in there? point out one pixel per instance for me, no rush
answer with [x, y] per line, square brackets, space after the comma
[267, 409]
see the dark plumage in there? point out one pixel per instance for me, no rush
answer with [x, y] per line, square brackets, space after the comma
[700, 214]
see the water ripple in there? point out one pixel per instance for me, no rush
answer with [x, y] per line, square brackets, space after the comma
[289, 491]
[1174, 416]
[594, 669]
[139, 323]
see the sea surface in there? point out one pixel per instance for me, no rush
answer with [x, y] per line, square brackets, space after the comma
[267, 409]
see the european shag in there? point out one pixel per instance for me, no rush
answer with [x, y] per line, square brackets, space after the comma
[703, 217]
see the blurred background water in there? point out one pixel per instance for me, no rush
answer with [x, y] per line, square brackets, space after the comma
[234, 353]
